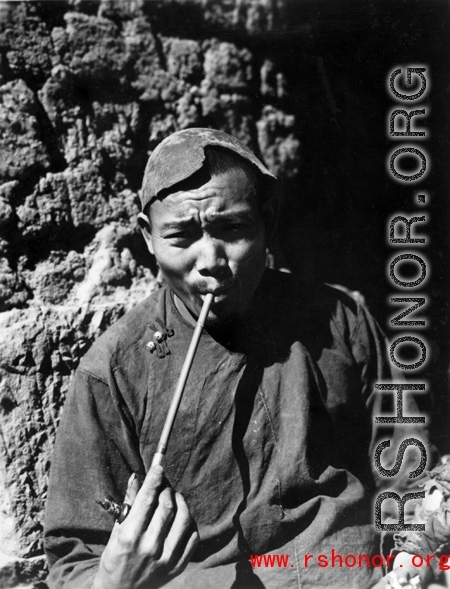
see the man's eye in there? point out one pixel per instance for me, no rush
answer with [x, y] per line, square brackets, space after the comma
[179, 236]
[182, 236]
[237, 230]
[233, 228]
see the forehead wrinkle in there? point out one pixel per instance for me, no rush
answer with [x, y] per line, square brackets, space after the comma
[226, 196]
[209, 218]
[199, 194]
[234, 182]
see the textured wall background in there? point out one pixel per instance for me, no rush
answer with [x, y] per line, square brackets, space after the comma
[88, 89]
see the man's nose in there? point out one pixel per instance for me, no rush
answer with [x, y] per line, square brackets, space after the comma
[211, 258]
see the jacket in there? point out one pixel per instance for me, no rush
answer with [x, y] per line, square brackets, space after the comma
[272, 447]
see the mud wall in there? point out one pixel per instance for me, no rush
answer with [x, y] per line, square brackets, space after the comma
[87, 90]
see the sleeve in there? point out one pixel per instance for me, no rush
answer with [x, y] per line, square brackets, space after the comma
[95, 454]
[370, 349]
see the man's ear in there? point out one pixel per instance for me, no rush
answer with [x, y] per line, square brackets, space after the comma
[146, 230]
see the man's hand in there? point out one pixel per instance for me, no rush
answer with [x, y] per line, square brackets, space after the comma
[154, 543]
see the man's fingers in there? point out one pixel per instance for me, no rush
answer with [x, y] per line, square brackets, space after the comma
[152, 482]
[187, 554]
[158, 529]
[132, 489]
[182, 538]
[146, 498]
[168, 541]
[131, 492]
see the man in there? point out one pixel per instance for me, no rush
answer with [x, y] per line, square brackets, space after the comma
[272, 447]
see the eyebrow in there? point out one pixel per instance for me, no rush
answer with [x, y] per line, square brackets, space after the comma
[224, 217]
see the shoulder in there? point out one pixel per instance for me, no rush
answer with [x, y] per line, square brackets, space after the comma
[293, 298]
[319, 315]
[122, 338]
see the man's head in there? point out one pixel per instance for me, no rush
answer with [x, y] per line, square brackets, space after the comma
[207, 207]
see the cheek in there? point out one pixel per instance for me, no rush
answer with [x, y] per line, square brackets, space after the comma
[174, 262]
[248, 252]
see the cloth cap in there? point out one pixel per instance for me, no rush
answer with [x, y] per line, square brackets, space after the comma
[182, 154]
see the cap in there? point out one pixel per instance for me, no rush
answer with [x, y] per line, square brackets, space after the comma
[182, 154]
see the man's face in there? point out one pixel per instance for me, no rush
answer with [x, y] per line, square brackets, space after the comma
[211, 239]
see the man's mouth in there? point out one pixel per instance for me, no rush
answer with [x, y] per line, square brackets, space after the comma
[219, 292]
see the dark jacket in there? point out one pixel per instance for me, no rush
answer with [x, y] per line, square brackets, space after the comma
[272, 448]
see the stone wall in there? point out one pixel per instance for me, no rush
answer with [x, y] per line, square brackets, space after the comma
[89, 88]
